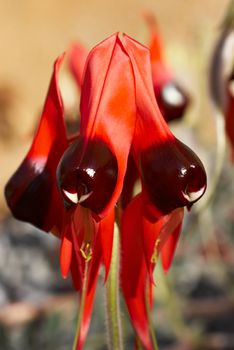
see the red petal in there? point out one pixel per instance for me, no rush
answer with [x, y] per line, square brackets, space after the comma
[155, 43]
[174, 220]
[77, 56]
[130, 178]
[93, 270]
[108, 104]
[151, 128]
[150, 238]
[105, 235]
[32, 193]
[66, 246]
[76, 272]
[134, 274]
[157, 234]
[168, 250]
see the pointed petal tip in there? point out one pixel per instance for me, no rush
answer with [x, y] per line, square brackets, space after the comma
[59, 60]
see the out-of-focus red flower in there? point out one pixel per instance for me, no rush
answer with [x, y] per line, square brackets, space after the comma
[72, 186]
[172, 98]
[229, 113]
[221, 76]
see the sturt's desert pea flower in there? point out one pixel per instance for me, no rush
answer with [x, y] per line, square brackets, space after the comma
[172, 98]
[74, 187]
[221, 78]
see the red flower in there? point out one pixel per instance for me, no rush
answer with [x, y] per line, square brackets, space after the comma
[229, 114]
[121, 125]
[32, 193]
[172, 177]
[171, 97]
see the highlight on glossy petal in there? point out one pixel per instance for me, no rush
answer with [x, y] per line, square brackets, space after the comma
[172, 100]
[32, 189]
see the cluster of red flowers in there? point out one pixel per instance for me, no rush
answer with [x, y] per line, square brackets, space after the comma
[77, 187]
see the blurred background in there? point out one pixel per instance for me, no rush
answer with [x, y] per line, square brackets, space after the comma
[37, 307]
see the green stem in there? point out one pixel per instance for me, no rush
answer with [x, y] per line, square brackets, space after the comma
[112, 298]
[82, 303]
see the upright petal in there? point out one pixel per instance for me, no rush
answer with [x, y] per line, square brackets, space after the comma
[31, 193]
[108, 104]
[171, 97]
[77, 56]
[107, 124]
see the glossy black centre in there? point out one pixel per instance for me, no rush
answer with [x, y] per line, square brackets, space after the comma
[87, 177]
[173, 176]
[28, 194]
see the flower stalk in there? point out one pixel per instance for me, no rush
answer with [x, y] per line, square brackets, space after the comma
[113, 323]
[82, 304]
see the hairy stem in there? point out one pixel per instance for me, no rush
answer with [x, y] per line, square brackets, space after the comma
[82, 303]
[112, 298]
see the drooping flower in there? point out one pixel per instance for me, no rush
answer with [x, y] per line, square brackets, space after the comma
[221, 80]
[32, 193]
[229, 113]
[172, 177]
[121, 128]
[171, 97]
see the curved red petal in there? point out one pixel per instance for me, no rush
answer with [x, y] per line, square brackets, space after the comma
[150, 240]
[108, 105]
[76, 272]
[151, 128]
[155, 43]
[160, 71]
[168, 250]
[66, 248]
[77, 56]
[32, 189]
[134, 275]
[92, 279]
[105, 235]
